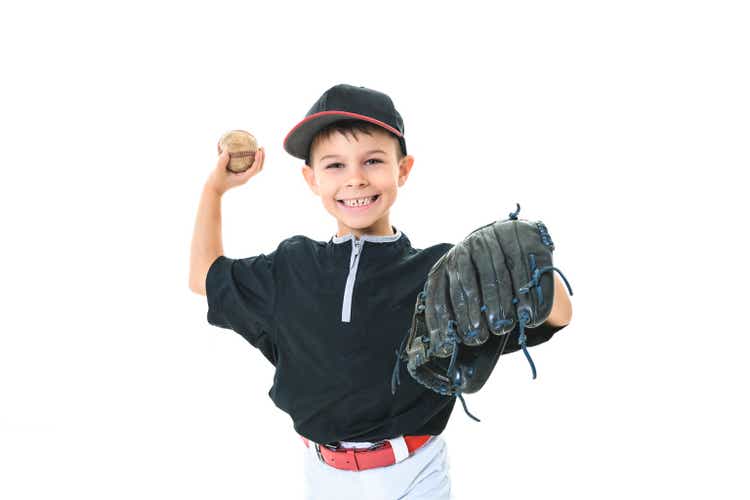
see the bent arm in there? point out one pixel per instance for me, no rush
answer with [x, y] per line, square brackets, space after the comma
[206, 245]
[562, 309]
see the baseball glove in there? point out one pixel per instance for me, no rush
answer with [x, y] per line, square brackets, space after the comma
[494, 284]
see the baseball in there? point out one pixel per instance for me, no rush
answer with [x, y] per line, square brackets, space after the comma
[241, 146]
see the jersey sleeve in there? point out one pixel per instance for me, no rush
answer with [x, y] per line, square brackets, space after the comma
[241, 295]
[534, 336]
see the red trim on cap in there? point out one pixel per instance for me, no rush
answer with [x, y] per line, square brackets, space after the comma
[345, 113]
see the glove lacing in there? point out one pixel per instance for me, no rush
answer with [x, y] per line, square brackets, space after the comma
[453, 338]
[396, 374]
[524, 317]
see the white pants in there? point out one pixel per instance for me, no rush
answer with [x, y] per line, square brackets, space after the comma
[423, 475]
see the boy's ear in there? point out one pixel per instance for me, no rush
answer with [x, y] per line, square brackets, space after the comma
[309, 174]
[404, 167]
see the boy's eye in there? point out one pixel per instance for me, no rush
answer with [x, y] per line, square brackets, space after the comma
[335, 165]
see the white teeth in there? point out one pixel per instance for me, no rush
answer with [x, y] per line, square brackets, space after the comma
[359, 202]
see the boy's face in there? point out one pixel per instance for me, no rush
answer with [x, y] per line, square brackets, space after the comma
[346, 168]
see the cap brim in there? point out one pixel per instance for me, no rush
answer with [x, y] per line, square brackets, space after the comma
[297, 141]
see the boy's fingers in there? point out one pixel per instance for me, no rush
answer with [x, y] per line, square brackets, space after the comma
[243, 176]
[223, 160]
[257, 165]
[262, 158]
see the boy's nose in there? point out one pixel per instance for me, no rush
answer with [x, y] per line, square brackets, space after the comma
[357, 182]
[357, 178]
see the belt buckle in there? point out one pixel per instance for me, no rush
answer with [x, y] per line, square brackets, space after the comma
[332, 447]
[317, 451]
[376, 445]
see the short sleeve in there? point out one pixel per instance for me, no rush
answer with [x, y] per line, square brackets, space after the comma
[534, 336]
[241, 295]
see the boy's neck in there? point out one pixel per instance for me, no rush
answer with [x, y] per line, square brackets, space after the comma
[358, 234]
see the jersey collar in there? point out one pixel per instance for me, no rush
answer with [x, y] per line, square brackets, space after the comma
[368, 237]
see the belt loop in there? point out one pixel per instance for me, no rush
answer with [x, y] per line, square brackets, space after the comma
[352, 455]
[400, 450]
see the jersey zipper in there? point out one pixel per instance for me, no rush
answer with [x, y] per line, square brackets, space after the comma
[346, 308]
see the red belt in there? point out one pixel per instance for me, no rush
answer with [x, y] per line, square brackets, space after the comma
[354, 459]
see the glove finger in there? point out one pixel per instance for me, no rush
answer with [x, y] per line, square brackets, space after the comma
[535, 240]
[438, 311]
[523, 245]
[465, 296]
[496, 284]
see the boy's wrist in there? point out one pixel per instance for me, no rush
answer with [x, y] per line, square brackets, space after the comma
[212, 189]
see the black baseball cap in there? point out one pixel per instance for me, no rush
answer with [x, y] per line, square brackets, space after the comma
[344, 102]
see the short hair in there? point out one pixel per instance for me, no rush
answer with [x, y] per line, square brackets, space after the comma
[350, 127]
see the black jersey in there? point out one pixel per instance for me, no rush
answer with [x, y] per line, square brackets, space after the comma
[330, 316]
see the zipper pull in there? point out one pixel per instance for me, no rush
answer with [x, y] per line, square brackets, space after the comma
[355, 254]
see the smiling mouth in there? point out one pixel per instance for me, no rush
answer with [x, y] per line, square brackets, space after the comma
[372, 199]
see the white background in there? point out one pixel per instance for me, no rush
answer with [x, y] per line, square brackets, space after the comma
[622, 125]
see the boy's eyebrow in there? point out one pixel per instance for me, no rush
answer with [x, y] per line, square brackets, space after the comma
[367, 153]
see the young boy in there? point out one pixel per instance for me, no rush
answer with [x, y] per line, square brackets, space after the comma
[329, 315]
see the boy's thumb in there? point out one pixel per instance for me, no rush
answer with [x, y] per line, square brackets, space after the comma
[223, 159]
